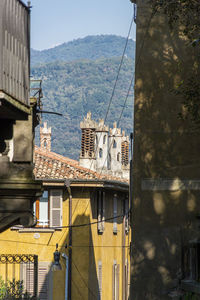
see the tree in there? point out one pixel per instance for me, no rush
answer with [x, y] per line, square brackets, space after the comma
[184, 14]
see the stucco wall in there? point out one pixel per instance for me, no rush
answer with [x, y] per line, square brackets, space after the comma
[166, 156]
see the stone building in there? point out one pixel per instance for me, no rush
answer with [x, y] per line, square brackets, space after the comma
[166, 161]
[104, 149]
[18, 189]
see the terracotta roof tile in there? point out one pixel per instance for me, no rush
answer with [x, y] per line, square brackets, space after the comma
[50, 165]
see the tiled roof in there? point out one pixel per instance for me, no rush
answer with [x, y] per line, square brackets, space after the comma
[50, 165]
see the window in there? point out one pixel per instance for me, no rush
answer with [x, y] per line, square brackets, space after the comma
[118, 156]
[99, 280]
[114, 144]
[127, 280]
[126, 214]
[115, 214]
[100, 153]
[104, 139]
[45, 143]
[115, 281]
[100, 211]
[191, 261]
[48, 209]
[41, 277]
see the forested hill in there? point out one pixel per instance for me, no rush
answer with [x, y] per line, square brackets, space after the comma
[90, 47]
[76, 87]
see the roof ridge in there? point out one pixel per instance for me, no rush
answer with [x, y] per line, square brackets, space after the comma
[64, 159]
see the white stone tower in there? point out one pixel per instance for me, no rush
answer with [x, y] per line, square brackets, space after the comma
[115, 139]
[101, 143]
[45, 137]
[87, 156]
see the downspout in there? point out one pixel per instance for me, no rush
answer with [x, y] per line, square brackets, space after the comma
[67, 184]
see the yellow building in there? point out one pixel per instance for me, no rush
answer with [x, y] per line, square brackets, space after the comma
[86, 214]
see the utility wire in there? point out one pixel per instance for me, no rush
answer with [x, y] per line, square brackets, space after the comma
[118, 122]
[113, 90]
[80, 225]
[85, 283]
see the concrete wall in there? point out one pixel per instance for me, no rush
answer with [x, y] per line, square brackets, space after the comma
[166, 158]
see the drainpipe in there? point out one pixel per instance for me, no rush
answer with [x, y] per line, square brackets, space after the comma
[66, 275]
[67, 184]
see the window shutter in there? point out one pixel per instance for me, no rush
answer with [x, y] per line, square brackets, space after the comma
[27, 275]
[126, 215]
[99, 211]
[115, 214]
[103, 210]
[99, 280]
[115, 281]
[43, 280]
[55, 208]
[100, 224]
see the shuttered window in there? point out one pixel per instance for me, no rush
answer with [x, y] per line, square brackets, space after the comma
[115, 281]
[27, 274]
[101, 211]
[43, 280]
[99, 280]
[55, 208]
[126, 280]
[126, 213]
[115, 214]
[48, 209]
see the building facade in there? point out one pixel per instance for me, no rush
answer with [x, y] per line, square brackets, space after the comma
[87, 214]
[18, 189]
[165, 181]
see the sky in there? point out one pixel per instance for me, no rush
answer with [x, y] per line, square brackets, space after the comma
[54, 22]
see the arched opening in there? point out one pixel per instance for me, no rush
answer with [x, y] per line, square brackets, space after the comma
[114, 144]
[100, 153]
[118, 156]
[45, 143]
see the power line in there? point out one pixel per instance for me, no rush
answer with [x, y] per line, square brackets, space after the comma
[118, 122]
[80, 225]
[85, 283]
[113, 91]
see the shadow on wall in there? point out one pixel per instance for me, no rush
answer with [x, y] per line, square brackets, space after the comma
[84, 282]
[166, 151]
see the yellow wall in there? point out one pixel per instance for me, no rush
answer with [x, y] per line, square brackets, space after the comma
[88, 247]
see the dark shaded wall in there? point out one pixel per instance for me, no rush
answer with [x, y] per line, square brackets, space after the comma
[165, 161]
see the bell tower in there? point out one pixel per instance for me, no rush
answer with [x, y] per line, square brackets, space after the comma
[45, 137]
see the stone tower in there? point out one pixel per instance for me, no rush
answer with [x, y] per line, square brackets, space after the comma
[115, 139]
[87, 156]
[101, 143]
[45, 137]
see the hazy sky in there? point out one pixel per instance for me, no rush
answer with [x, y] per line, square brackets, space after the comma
[57, 21]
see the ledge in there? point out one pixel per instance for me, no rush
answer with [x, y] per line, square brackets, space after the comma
[191, 286]
[30, 230]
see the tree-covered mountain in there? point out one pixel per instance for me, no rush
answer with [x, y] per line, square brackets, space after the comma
[76, 87]
[90, 47]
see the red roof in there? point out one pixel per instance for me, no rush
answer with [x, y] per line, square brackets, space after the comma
[50, 165]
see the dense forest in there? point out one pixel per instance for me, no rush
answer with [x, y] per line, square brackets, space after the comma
[74, 87]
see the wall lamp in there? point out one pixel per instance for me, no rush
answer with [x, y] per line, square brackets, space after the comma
[56, 264]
